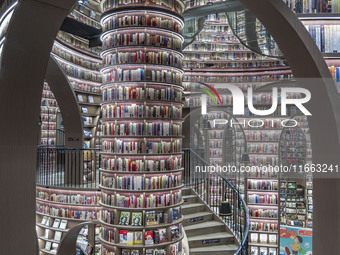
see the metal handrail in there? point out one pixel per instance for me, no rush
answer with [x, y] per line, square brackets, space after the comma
[68, 167]
[241, 234]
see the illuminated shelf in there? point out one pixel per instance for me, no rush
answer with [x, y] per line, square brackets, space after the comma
[141, 172]
[67, 204]
[142, 191]
[69, 219]
[145, 246]
[163, 225]
[51, 228]
[140, 209]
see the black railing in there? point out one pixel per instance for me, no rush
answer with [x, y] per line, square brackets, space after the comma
[213, 189]
[64, 167]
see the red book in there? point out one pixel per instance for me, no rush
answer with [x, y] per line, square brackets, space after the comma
[148, 238]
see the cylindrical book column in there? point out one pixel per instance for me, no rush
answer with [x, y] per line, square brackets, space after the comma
[142, 127]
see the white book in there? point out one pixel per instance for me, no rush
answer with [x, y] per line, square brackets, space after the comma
[46, 233]
[57, 235]
[48, 246]
[48, 222]
[63, 224]
[56, 223]
[44, 220]
[130, 238]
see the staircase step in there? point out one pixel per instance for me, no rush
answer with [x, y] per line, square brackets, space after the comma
[207, 227]
[229, 249]
[190, 199]
[199, 217]
[221, 238]
[186, 191]
[192, 208]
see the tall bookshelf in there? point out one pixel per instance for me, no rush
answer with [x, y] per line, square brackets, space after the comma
[48, 118]
[295, 151]
[141, 142]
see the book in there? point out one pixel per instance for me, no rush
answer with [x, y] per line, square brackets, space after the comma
[148, 237]
[125, 252]
[48, 222]
[56, 223]
[80, 98]
[123, 236]
[46, 233]
[150, 252]
[130, 238]
[84, 110]
[54, 247]
[57, 235]
[44, 220]
[175, 233]
[124, 218]
[63, 224]
[163, 235]
[136, 219]
[138, 238]
[159, 217]
[176, 213]
[160, 252]
[150, 218]
[90, 99]
[134, 252]
[88, 249]
[165, 218]
[48, 246]
[87, 144]
[156, 238]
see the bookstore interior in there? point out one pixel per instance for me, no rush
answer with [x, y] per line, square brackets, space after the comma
[170, 127]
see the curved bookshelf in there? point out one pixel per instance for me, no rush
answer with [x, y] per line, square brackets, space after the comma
[143, 227]
[142, 190]
[142, 126]
[141, 172]
[140, 209]
[61, 208]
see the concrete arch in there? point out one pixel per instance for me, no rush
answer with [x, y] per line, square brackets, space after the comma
[26, 52]
[67, 245]
[67, 102]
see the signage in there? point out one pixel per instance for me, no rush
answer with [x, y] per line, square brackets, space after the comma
[196, 219]
[73, 139]
[209, 241]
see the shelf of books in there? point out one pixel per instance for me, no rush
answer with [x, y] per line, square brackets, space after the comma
[309, 200]
[81, 65]
[87, 15]
[262, 198]
[217, 49]
[293, 153]
[141, 131]
[292, 204]
[48, 118]
[324, 28]
[314, 7]
[59, 210]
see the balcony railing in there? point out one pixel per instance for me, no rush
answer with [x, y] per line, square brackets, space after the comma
[63, 167]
